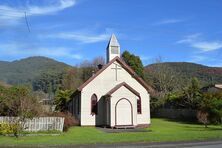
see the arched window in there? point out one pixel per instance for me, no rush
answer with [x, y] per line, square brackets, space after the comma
[94, 104]
[139, 107]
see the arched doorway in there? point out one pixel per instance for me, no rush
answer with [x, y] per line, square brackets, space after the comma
[124, 112]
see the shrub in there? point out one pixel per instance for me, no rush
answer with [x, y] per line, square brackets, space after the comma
[69, 119]
[203, 117]
[9, 128]
[5, 128]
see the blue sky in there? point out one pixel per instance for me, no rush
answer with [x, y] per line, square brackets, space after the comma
[75, 30]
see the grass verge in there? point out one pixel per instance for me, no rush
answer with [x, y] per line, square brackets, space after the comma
[161, 131]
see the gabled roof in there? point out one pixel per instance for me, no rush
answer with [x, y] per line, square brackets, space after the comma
[218, 86]
[126, 67]
[113, 41]
[120, 85]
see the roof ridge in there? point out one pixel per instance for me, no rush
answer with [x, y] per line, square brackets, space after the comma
[127, 68]
[118, 86]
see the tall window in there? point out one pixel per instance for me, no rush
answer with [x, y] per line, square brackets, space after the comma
[94, 104]
[139, 110]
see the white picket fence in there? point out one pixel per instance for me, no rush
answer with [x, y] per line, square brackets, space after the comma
[38, 124]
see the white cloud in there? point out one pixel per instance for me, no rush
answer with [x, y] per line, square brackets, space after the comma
[208, 46]
[10, 15]
[61, 5]
[15, 49]
[198, 58]
[82, 37]
[195, 41]
[190, 38]
[169, 21]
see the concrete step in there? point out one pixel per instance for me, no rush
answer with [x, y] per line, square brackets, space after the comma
[124, 127]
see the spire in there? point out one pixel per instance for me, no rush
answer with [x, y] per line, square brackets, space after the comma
[113, 48]
[113, 41]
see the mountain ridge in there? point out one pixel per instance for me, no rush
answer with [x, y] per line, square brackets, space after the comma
[27, 69]
[184, 71]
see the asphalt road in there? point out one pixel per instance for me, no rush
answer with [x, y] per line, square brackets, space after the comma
[209, 146]
[200, 144]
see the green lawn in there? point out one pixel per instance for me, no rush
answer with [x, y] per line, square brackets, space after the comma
[161, 131]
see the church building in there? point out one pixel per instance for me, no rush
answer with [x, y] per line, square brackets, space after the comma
[115, 96]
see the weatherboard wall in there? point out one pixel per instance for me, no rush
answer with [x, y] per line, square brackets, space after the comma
[103, 83]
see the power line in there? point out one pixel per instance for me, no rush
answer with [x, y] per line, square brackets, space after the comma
[16, 14]
[27, 24]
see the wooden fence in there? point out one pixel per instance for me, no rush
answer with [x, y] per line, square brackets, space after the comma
[38, 124]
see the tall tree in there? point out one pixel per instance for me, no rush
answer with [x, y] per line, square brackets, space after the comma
[90, 67]
[48, 83]
[162, 77]
[98, 60]
[190, 97]
[211, 103]
[72, 79]
[61, 99]
[134, 62]
[192, 94]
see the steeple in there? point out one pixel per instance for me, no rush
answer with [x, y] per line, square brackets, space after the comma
[113, 48]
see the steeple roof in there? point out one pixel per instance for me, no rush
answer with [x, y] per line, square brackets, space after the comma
[113, 41]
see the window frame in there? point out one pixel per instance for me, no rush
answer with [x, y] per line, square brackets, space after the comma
[94, 104]
[139, 106]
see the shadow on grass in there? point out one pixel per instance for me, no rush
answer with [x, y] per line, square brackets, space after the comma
[202, 128]
[135, 130]
[194, 125]
[182, 121]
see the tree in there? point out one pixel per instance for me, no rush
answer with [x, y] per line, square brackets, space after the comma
[189, 97]
[87, 68]
[162, 77]
[3, 108]
[48, 83]
[192, 94]
[61, 99]
[211, 103]
[72, 79]
[18, 101]
[98, 60]
[134, 62]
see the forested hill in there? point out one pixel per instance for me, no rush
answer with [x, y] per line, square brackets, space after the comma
[183, 72]
[38, 71]
[26, 70]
